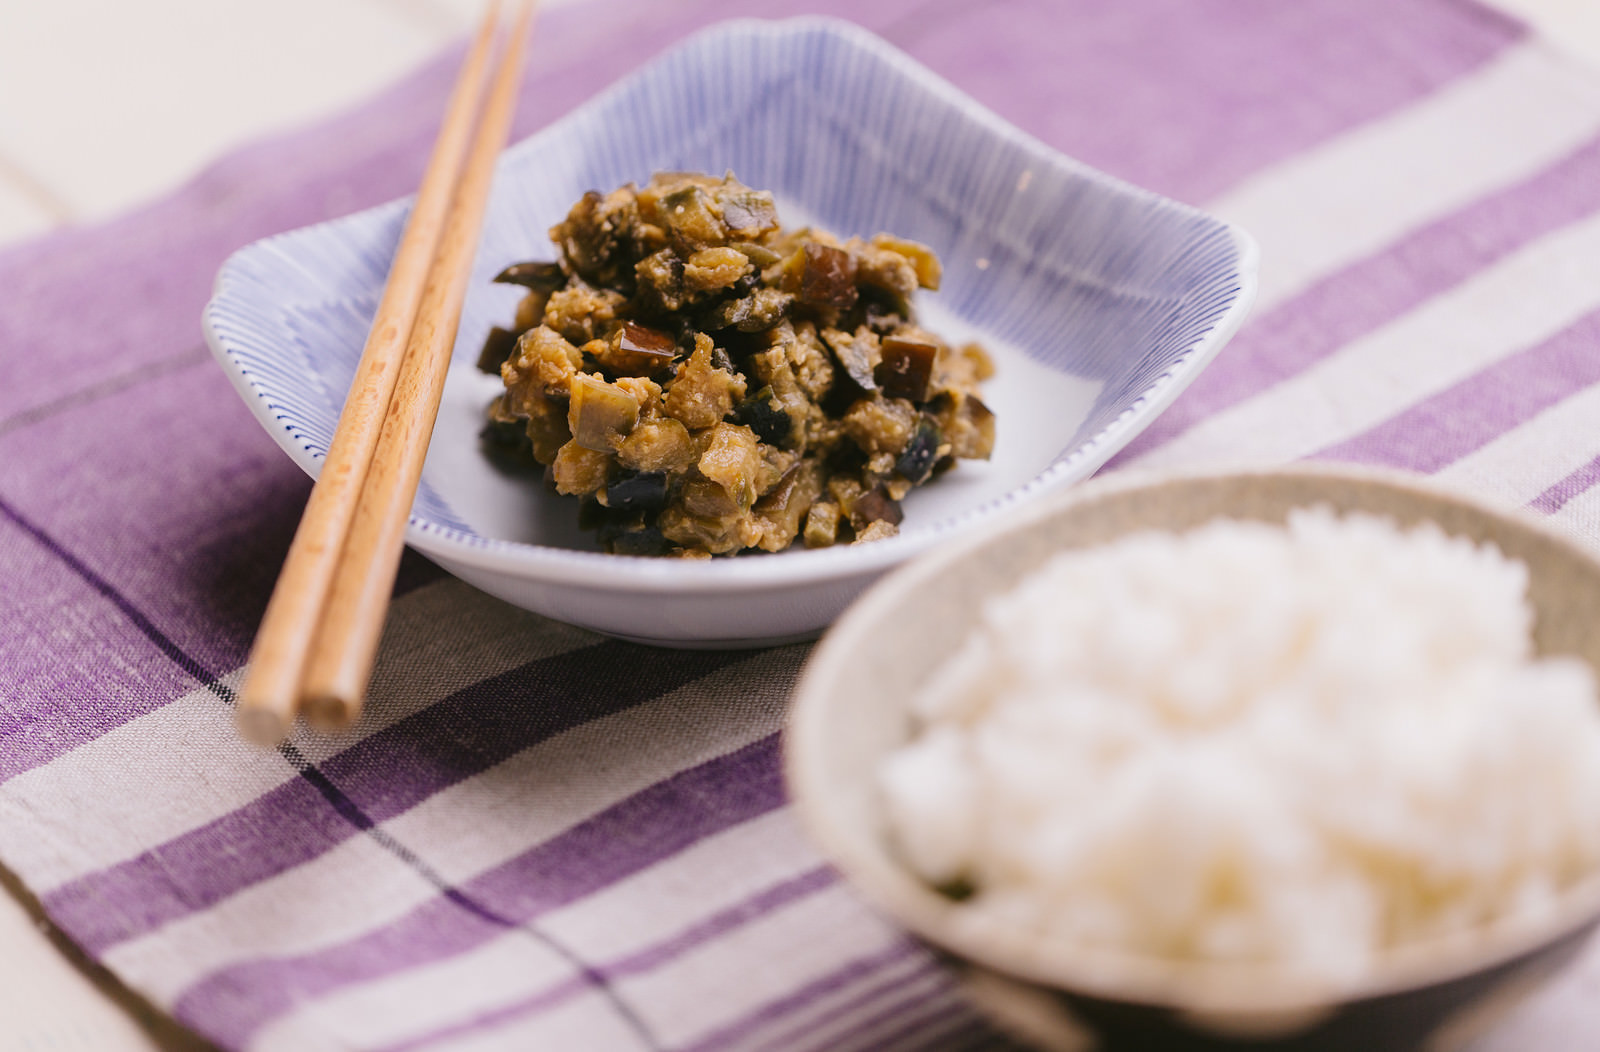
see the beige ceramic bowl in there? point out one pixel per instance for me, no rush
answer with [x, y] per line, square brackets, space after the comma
[851, 707]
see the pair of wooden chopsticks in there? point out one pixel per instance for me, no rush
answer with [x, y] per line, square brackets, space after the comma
[315, 648]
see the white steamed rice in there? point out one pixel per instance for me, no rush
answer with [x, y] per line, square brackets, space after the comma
[1250, 743]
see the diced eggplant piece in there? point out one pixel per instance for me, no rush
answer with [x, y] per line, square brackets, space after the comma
[690, 222]
[879, 313]
[875, 505]
[763, 309]
[979, 361]
[827, 276]
[881, 426]
[768, 419]
[580, 312]
[967, 424]
[578, 471]
[592, 515]
[701, 394]
[813, 366]
[507, 445]
[691, 525]
[749, 214]
[980, 418]
[876, 530]
[919, 255]
[845, 461]
[622, 531]
[609, 523]
[724, 315]
[906, 367]
[643, 492]
[600, 414]
[641, 339]
[732, 459]
[712, 270]
[658, 443]
[757, 312]
[859, 353]
[774, 367]
[708, 501]
[545, 277]
[547, 428]
[530, 309]
[782, 510]
[506, 434]
[638, 350]
[885, 276]
[642, 540]
[921, 453]
[659, 288]
[793, 483]
[544, 363]
[822, 524]
[591, 237]
[747, 283]
[760, 255]
[497, 347]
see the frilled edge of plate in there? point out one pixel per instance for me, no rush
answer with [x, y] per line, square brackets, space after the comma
[229, 317]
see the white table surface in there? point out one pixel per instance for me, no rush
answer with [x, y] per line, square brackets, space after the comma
[106, 104]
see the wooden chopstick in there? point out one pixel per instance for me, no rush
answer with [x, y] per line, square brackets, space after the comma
[346, 642]
[270, 697]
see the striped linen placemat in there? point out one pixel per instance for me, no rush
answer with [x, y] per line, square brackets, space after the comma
[539, 838]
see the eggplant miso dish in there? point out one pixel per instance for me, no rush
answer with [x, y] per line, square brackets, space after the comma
[706, 382]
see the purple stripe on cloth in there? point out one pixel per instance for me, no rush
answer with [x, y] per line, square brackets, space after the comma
[925, 973]
[768, 901]
[1446, 427]
[759, 905]
[921, 1025]
[1188, 97]
[812, 992]
[382, 775]
[1556, 497]
[50, 631]
[548, 998]
[109, 387]
[1359, 299]
[654, 824]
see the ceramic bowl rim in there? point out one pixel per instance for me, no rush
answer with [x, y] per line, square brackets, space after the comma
[1130, 978]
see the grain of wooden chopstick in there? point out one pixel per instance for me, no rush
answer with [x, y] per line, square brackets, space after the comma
[346, 642]
[275, 680]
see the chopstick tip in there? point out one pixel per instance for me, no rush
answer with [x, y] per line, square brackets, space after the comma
[328, 712]
[262, 726]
